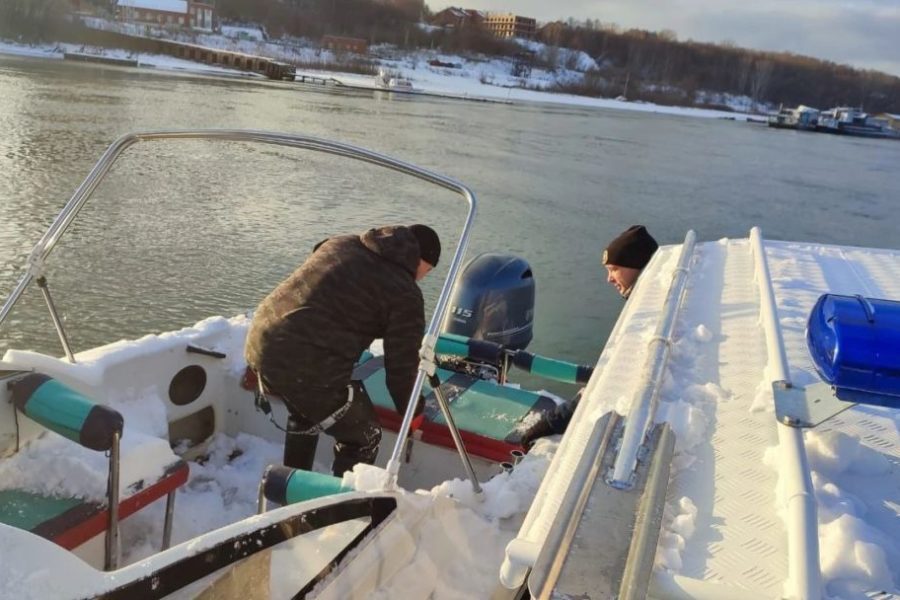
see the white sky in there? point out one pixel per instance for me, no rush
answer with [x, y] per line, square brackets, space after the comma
[863, 33]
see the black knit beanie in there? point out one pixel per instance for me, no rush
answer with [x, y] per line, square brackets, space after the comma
[429, 243]
[633, 248]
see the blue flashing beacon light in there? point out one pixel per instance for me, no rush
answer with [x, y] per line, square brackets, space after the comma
[854, 343]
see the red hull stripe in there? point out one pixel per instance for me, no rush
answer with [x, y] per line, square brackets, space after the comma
[92, 518]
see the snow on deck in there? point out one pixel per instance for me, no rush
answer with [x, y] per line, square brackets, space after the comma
[723, 518]
[724, 510]
[723, 523]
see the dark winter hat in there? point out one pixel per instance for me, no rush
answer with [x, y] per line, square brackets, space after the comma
[633, 248]
[429, 243]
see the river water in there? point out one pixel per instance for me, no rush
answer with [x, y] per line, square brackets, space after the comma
[184, 230]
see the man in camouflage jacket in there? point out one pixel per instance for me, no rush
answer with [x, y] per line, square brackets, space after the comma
[307, 335]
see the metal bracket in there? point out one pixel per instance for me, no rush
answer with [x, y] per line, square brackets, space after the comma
[806, 407]
[34, 264]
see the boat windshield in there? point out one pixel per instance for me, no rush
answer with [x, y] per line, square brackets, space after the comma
[284, 560]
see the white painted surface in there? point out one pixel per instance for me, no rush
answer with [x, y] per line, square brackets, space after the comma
[725, 503]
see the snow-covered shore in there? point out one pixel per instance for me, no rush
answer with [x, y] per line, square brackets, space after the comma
[158, 61]
[471, 79]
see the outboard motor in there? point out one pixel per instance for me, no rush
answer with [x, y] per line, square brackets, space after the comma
[493, 301]
[492, 309]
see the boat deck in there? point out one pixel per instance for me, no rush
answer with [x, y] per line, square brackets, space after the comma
[724, 511]
[723, 494]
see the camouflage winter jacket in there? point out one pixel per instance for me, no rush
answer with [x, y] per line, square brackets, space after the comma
[350, 291]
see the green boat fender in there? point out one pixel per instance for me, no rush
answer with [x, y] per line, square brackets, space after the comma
[551, 368]
[67, 412]
[284, 485]
[451, 344]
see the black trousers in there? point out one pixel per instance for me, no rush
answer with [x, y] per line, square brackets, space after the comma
[357, 432]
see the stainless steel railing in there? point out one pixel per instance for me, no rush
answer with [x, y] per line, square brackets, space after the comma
[645, 402]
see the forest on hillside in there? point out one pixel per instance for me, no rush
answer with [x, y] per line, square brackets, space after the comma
[640, 64]
[660, 60]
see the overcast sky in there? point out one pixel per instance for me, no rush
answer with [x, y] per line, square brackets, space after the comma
[863, 33]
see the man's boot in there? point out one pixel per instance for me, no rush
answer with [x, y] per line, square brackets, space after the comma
[299, 448]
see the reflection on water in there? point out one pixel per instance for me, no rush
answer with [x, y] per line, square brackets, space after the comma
[184, 230]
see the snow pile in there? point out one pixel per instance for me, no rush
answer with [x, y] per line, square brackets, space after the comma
[461, 542]
[33, 568]
[737, 103]
[681, 518]
[244, 32]
[221, 489]
[687, 404]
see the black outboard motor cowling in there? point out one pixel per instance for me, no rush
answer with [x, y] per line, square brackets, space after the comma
[494, 300]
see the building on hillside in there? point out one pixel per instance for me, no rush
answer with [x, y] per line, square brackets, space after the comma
[177, 13]
[345, 44]
[159, 12]
[552, 32]
[201, 14]
[892, 120]
[457, 17]
[508, 25]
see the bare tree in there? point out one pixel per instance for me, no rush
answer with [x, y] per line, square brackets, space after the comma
[759, 83]
[745, 65]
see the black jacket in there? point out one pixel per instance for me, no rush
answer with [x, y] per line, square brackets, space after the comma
[350, 291]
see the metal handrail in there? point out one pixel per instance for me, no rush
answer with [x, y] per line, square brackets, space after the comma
[85, 191]
[643, 408]
[801, 519]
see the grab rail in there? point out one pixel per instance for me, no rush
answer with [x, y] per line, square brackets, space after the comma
[801, 520]
[42, 250]
[643, 408]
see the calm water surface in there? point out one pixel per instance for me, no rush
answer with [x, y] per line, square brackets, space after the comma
[184, 230]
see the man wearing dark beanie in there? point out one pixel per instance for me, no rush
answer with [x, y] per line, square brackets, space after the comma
[306, 336]
[626, 256]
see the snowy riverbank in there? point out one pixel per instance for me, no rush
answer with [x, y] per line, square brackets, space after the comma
[158, 61]
[469, 78]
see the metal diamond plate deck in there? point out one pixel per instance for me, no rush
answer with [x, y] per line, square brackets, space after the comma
[738, 537]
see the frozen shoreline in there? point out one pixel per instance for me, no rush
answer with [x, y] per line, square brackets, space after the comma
[486, 81]
[157, 61]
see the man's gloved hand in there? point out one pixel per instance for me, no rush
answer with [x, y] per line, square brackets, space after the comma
[551, 423]
[542, 427]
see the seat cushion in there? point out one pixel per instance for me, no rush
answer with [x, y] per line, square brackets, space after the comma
[489, 416]
[71, 521]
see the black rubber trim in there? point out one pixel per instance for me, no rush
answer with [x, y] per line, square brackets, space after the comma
[99, 428]
[277, 479]
[182, 573]
[484, 350]
[23, 388]
[583, 374]
[205, 352]
[523, 360]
